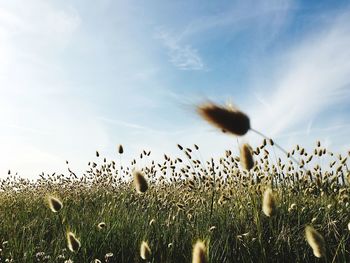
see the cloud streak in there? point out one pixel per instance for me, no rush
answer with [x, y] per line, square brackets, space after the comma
[182, 56]
[311, 77]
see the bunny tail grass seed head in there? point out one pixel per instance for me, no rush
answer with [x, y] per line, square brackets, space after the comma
[269, 203]
[55, 204]
[228, 119]
[73, 242]
[246, 157]
[315, 241]
[140, 182]
[145, 251]
[101, 225]
[199, 253]
[120, 149]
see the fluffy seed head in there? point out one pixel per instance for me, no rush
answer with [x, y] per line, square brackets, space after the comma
[199, 253]
[145, 251]
[140, 182]
[315, 241]
[269, 203]
[101, 225]
[120, 149]
[73, 242]
[246, 157]
[55, 204]
[228, 119]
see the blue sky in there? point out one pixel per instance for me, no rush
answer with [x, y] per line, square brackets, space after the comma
[78, 76]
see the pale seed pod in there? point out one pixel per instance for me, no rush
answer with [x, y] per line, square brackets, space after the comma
[55, 204]
[269, 203]
[73, 242]
[315, 241]
[140, 182]
[145, 251]
[246, 157]
[199, 253]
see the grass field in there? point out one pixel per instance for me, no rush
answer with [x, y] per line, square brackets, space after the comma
[184, 200]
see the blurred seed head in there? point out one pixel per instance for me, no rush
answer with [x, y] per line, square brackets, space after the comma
[55, 204]
[73, 242]
[145, 251]
[140, 182]
[315, 241]
[199, 253]
[101, 225]
[269, 203]
[228, 119]
[246, 157]
[120, 149]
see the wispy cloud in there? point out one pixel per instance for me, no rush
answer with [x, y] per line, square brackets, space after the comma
[182, 56]
[310, 78]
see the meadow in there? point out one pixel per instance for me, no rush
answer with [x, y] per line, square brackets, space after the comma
[258, 206]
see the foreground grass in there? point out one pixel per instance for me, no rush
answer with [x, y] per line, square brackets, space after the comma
[183, 203]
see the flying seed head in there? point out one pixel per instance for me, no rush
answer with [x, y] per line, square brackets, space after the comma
[246, 157]
[140, 182]
[73, 242]
[199, 253]
[145, 251]
[269, 203]
[315, 241]
[228, 119]
[54, 204]
[120, 149]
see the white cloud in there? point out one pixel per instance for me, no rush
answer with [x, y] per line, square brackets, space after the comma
[182, 56]
[312, 76]
[40, 125]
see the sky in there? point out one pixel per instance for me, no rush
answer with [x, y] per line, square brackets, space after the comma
[79, 76]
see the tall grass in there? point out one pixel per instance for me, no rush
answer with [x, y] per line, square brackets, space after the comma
[252, 208]
[111, 219]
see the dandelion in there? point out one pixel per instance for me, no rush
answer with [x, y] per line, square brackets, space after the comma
[55, 204]
[269, 203]
[315, 241]
[140, 182]
[73, 242]
[199, 253]
[145, 251]
[227, 119]
[246, 157]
